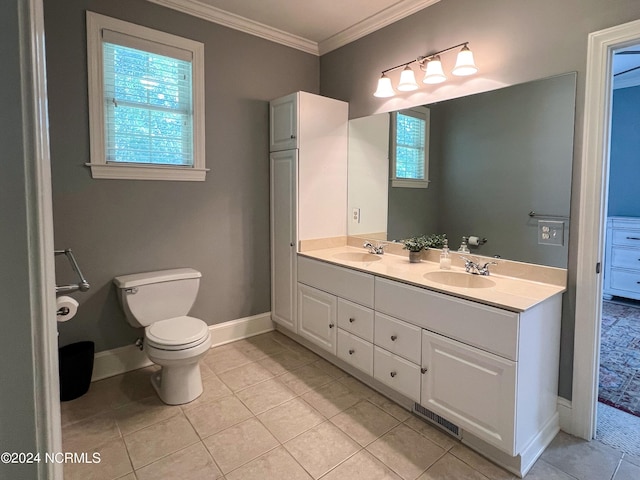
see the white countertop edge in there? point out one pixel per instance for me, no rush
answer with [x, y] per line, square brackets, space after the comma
[513, 294]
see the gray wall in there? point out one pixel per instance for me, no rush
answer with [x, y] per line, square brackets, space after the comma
[513, 42]
[624, 168]
[220, 226]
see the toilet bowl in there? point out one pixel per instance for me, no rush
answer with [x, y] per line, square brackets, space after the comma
[159, 302]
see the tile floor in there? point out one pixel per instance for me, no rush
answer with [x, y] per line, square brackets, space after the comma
[272, 409]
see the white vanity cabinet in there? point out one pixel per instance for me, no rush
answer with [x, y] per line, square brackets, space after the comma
[472, 388]
[308, 187]
[317, 313]
[622, 258]
[334, 311]
[490, 373]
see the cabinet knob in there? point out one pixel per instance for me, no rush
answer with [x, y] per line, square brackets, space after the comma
[291, 244]
[424, 370]
[393, 374]
[351, 351]
[394, 338]
[293, 136]
[351, 320]
[331, 325]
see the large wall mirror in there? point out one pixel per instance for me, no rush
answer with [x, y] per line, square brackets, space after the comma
[493, 158]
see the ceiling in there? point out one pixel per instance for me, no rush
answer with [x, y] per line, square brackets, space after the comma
[626, 67]
[314, 26]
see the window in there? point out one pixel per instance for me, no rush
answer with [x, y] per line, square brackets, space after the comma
[410, 148]
[146, 102]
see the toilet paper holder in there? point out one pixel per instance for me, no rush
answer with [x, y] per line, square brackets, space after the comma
[82, 285]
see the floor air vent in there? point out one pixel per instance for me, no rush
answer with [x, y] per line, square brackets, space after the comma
[436, 419]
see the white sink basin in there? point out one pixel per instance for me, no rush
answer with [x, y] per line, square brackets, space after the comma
[363, 257]
[459, 279]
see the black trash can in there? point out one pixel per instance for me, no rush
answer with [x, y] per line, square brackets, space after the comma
[75, 362]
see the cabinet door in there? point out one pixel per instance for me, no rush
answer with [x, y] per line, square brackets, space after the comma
[470, 387]
[284, 123]
[317, 314]
[283, 238]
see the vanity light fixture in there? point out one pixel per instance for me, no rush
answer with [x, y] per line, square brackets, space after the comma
[432, 66]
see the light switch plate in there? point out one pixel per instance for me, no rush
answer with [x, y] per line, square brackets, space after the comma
[550, 232]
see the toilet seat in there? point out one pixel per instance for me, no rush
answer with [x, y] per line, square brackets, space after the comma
[178, 333]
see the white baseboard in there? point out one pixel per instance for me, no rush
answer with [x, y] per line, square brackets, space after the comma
[566, 415]
[124, 359]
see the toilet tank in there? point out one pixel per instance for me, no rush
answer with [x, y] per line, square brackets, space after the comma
[153, 296]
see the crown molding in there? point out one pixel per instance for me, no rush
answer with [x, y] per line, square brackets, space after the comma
[375, 22]
[381, 19]
[212, 14]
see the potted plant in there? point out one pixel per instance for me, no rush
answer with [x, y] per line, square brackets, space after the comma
[415, 245]
[434, 240]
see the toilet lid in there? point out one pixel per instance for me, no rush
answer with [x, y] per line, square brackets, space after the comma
[177, 331]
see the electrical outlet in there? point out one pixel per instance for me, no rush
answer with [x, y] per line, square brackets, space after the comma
[550, 232]
[355, 217]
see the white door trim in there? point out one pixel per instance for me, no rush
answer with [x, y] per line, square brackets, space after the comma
[592, 220]
[37, 166]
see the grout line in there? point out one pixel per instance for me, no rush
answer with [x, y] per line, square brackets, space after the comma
[615, 472]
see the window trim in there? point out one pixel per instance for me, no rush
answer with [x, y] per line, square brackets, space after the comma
[424, 114]
[100, 168]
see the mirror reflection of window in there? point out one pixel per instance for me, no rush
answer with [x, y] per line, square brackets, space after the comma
[410, 148]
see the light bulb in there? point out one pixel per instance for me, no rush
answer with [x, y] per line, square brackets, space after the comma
[407, 80]
[434, 73]
[385, 89]
[464, 63]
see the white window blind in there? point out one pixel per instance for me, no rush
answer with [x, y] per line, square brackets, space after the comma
[148, 107]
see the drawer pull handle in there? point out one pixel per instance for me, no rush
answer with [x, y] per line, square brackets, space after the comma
[393, 374]
[394, 338]
[352, 351]
[633, 238]
[331, 325]
[293, 136]
[351, 320]
[424, 370]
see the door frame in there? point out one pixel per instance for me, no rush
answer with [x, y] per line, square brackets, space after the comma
[40, 241]
[592, 221]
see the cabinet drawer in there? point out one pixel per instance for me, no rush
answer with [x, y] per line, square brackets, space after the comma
[355, 351]
[345, 283]
[624, 236]
[625, 258]
[485, 327]
[397, 373]
[356, 319]
[398, 337]
[624, 280]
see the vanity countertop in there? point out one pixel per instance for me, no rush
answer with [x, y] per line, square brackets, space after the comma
[509, 292]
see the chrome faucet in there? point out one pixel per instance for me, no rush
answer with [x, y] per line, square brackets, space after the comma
[476, 268]
[377, 249]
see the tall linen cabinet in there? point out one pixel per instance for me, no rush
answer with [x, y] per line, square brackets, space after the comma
[308, 201]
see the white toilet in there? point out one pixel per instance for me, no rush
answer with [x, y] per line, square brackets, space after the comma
[160, 301]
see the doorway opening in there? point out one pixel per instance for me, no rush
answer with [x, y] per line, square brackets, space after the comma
[618, 410]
